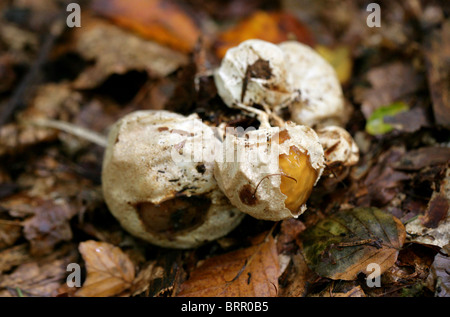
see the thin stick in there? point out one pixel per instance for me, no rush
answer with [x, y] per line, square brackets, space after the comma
[73, 129]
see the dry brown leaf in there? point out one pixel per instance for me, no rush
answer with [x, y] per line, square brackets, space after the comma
[344, 289]
[251, 272]
[295, 280]
[14, 256]
[49, 226]
[389, 83]
[10, 231]
[439, 278]
[147, 274]
[383, 182]
[42, 277]
[159, 20]
[417, 159]
[109, 270]
[51, 101]
[434, 226]
[275, 27]
[116, 51]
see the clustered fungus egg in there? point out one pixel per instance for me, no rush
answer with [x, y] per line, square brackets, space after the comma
[288, 75]
[277, 173]
[320, 100]
[339, 146]
[254, 73]
[171, 181]
[155, 190]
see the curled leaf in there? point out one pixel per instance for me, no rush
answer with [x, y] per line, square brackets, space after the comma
[344, 244]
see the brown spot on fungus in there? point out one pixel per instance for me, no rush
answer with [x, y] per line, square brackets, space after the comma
[247, 195]
[173, 216]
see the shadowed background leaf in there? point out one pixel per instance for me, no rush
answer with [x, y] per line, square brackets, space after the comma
[342, 245]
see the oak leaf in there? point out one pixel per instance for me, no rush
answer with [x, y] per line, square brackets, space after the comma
[109, 270]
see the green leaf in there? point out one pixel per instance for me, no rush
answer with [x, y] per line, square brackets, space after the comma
[344, 244]
[375, 124]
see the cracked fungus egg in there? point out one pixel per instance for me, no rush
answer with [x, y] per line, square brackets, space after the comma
[270, 173]
[288, 75]
[320, 99]
[254, 73]
[159, 187]
[339, 146]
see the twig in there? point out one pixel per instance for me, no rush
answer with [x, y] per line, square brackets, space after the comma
[73, 129]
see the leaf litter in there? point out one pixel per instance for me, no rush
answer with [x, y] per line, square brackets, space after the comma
[51, 209]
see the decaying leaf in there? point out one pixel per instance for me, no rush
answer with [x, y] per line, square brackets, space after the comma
[159, 20]
[344, 244]
[116, 51]
[14, 256]
[409, 121]
[109, 270]
[10, 231]
[346, 289]
[434, 226]
[41, 277]
[49, 226]
[275, 27]
[146, 275]
[389, 83]
[417, 159]
[439, 278]
[159, 278]
[246, 272]
[51, 101]
[383, 182]
[295, 280]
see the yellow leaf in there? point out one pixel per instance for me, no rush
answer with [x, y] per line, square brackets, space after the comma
[339, 58]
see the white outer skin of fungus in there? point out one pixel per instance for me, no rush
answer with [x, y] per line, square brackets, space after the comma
[233, 176]
[136, 151]
[321, 100]
[345, 151]
[230, 76]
